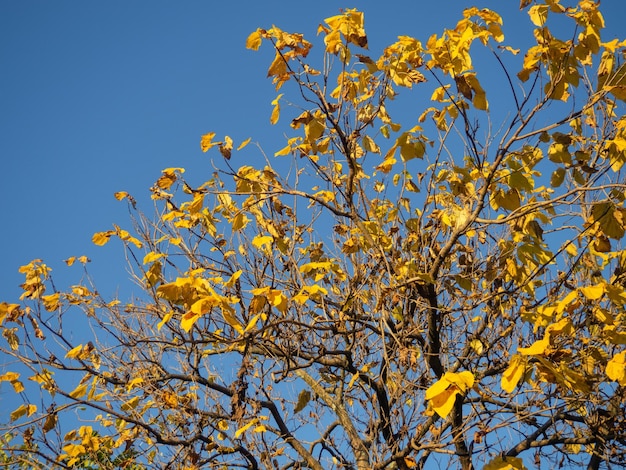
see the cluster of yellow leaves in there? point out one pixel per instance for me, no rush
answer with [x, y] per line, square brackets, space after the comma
[288, 47]
[442, 394]
[346, 28]
[13, 379]
[88, 442]
[563, 59]
[36, 273]
[84, 352]
[401, 60]
[198, 297]
[544, 349]
[225, 147]
[101, 238]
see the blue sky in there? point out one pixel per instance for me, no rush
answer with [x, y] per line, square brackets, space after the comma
[99, 97]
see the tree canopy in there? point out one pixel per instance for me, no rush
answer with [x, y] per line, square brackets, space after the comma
[374, 294]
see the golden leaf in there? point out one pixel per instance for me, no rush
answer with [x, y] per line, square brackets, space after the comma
[245, 427]
[442, 394]
[593, 292]
[229, 316]
[538, 14]
[165, 319]
[616, 368]
[536, 349]
[240, 221]
[443, 402]
[74, 353]
[513, 374]
[206, 141]
[51, 302]
[254, 40]
[130, 404]
[23, 410]
[276, 111]
[505, 463]
[101, 238]
[188, 320]
[79, 391]
[244, 143]
[152, 256]
[121, 195]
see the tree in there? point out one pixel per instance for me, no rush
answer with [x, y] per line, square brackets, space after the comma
[380, 295]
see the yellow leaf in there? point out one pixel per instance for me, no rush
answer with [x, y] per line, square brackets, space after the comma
[254, 40]
[261, 241]
[101, 238]
[23, 410]
[536, 349]
[244, 143]
[443, 402]
[563, 326]
[231, 281]
[127, 237]
[165, 319]
[152, 256]
[240, 221]
[442, 393]
[480, 97]
[276, 111]
[74, 353]
[513, 374]
[477, 345]
[51, 302]
[370, 145]
[121, 195]
[206, 141]
[168, 177]
[253, 321]
[79, 391]
[231, 319]
[505, 463]
[12, 378]
[616, 368]
[9, 377]
[188, 320]
[571, 249]
[133, 383]
[538, 14]
[244, 428]
[130, 404]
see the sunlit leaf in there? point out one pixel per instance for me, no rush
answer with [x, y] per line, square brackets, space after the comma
[23, 410]
[513, 374]
[254, 40]
[537, 348]
[206, 142]
[101, 238]
[616, 368]
[505, 463]
[244, 143]
[79, 392]
[276, 110]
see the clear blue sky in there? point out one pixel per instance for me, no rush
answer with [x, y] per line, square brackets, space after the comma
[98, 97]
